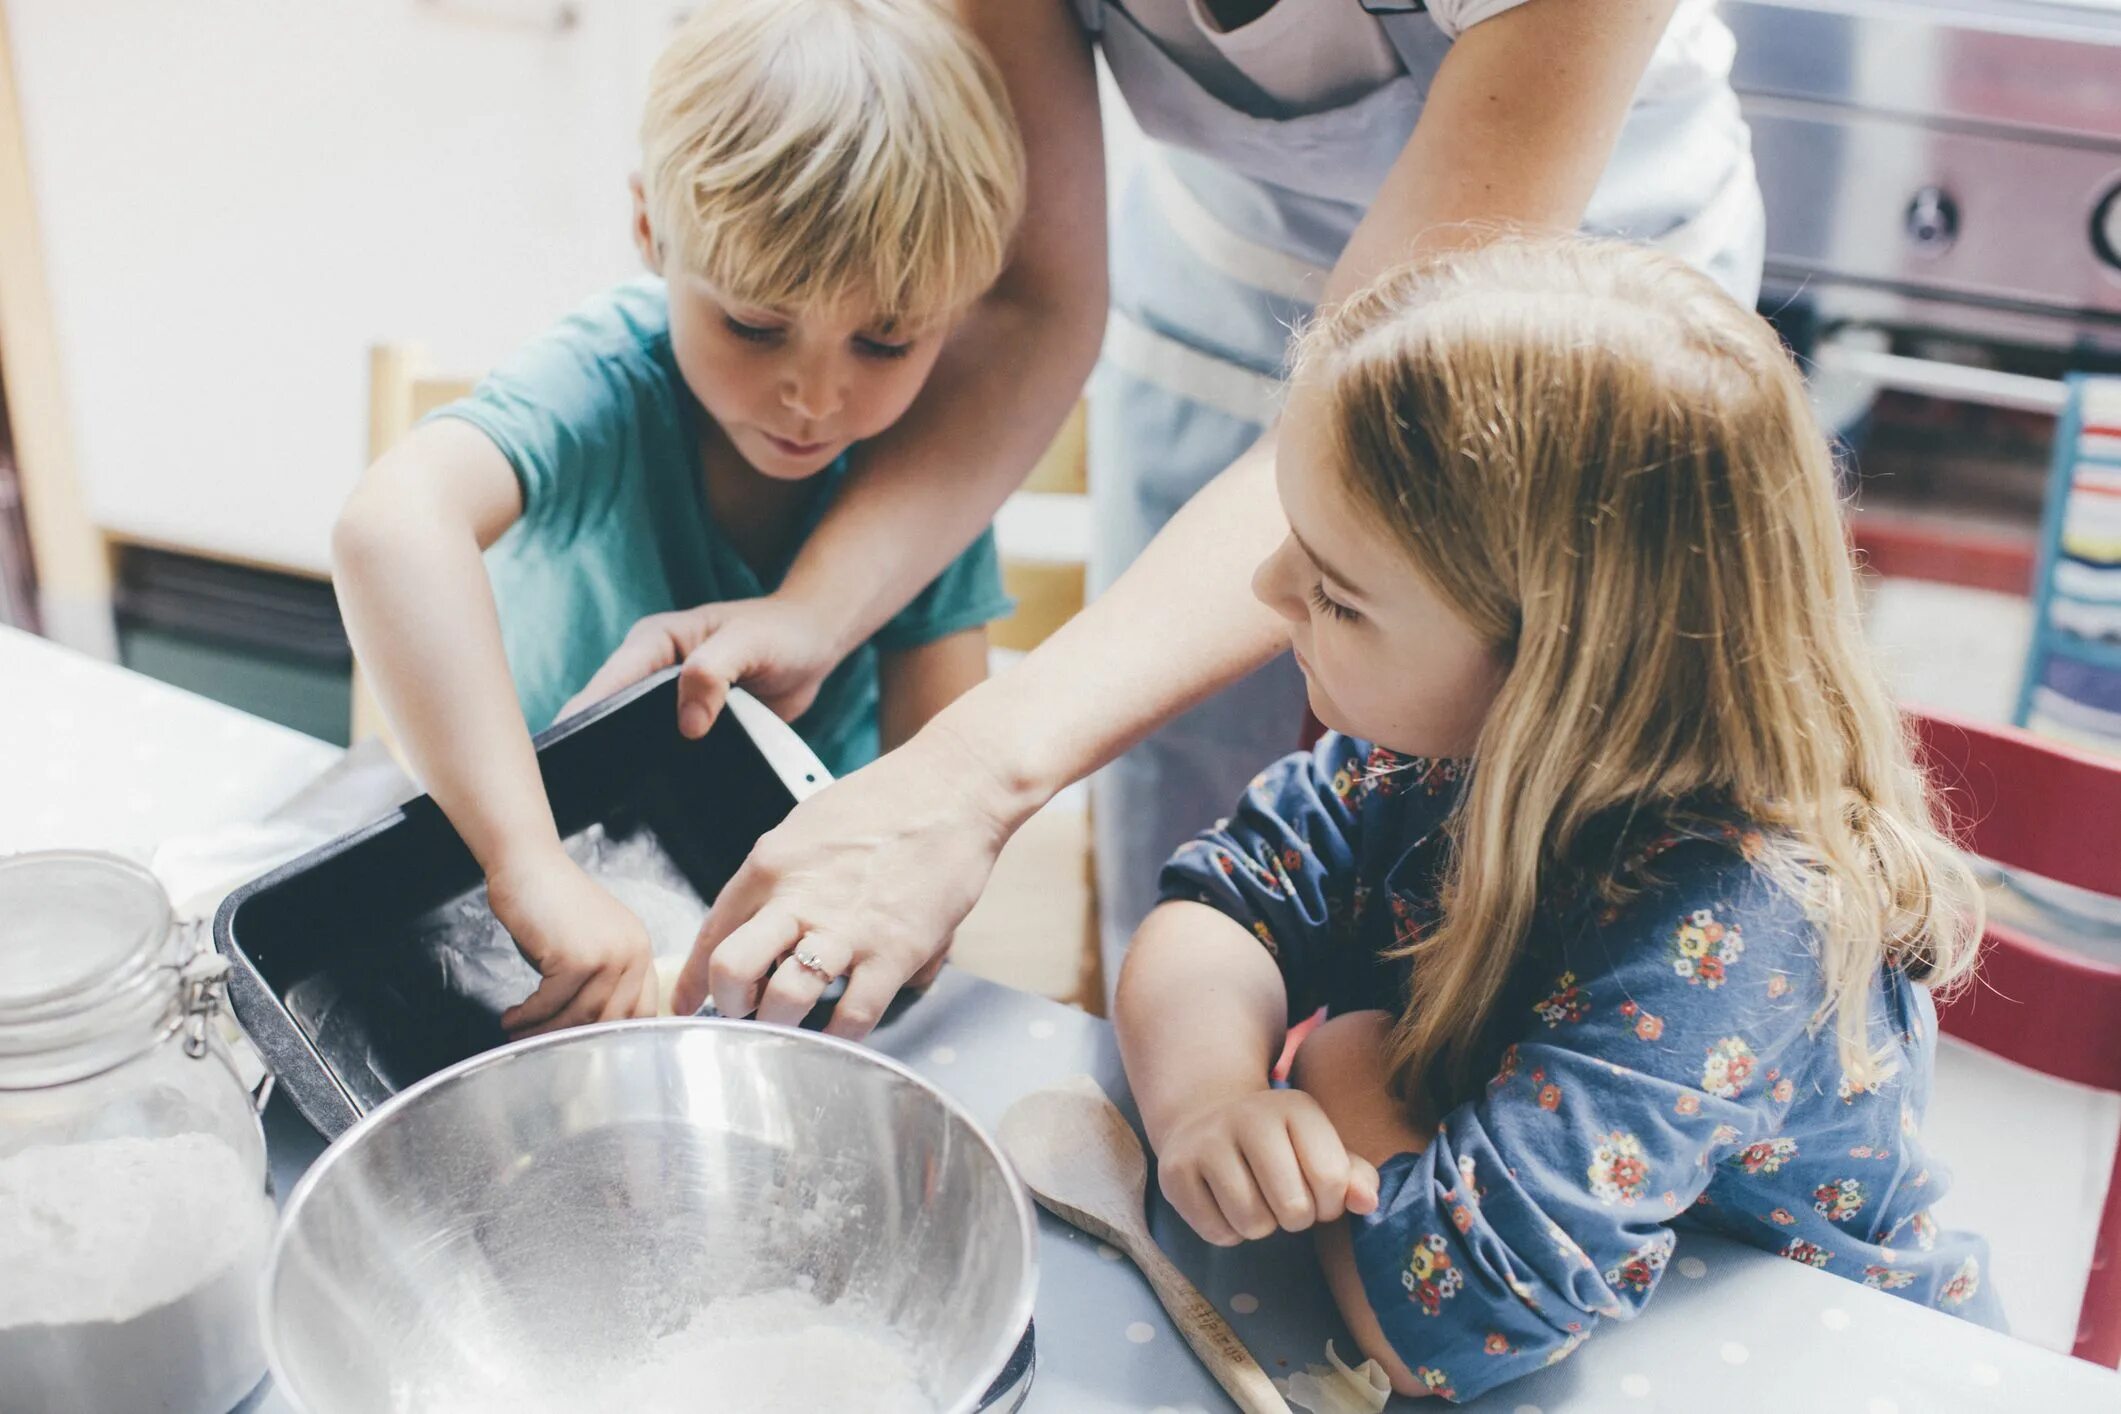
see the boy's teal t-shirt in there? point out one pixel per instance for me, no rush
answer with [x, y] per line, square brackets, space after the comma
[604, 438]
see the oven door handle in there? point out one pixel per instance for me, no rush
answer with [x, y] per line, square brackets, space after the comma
[1955, 381]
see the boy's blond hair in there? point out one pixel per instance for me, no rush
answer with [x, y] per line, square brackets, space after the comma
[1612, 473]
[803, 154]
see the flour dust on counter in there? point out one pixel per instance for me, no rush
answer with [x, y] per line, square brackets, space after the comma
[780, 1351]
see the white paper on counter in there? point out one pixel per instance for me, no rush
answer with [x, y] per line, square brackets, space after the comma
[1334, 1388]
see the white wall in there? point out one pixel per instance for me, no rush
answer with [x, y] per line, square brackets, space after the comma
[237, 197]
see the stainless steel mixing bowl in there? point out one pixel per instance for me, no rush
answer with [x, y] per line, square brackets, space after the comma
[518, 1222]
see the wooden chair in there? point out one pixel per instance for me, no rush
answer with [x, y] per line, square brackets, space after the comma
[401, 391]
[1044, 530]
[2027, 803]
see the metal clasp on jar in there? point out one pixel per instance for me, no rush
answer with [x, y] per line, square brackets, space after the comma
[201, 980]
[202, 994]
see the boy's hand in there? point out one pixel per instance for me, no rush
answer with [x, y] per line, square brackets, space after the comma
[774, 649]
[1242, 1167]
[593, 952]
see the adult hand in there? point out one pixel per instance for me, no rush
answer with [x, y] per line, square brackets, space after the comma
[870, 878]
[593, 953]
[775, 649]
[1243, 1167]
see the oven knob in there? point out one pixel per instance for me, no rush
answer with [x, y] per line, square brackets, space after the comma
[1933, 221]
[2106, 228]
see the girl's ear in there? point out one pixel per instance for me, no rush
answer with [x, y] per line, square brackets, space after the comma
[643, 228]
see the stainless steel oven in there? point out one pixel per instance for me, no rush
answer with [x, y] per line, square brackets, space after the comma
[1953, 165]
[1943, 189]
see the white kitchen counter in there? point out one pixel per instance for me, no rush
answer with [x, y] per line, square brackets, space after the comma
[95, 757]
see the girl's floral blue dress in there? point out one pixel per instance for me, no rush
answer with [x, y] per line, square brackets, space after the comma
[1655, 1064]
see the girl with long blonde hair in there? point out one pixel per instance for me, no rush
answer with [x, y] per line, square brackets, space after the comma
[1614, 873]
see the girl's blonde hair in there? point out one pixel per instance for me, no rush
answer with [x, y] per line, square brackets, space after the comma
[802, 153]
[1611, 472]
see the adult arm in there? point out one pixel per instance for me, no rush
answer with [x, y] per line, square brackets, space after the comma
[920, 493]
[1518, 125]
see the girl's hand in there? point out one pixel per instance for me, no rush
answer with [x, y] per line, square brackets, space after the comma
[594, 954]
[770, 646]
[1242, 1167]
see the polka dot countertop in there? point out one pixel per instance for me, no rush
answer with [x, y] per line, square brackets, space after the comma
[93, 756]
[1732, 1328]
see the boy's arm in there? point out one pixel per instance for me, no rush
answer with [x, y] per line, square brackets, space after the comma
[420, 612]
[916, 683]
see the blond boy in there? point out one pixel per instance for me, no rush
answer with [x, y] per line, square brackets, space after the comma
[825, 186]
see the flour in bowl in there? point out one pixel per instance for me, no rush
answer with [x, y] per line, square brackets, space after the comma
[775, 1352]
[770, 1352]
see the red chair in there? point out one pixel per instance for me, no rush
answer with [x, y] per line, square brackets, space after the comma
[2027, 803]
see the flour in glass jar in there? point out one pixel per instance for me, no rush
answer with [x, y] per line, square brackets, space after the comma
[131, 1276]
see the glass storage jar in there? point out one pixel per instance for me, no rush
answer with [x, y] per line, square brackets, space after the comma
[134, 1207]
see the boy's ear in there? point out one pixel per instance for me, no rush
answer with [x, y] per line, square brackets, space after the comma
[643, 229]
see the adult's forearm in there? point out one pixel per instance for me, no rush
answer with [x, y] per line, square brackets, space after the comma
[1178, 626]
[923, 491]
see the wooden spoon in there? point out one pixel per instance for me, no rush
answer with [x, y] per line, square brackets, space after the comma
[1080, 1159]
